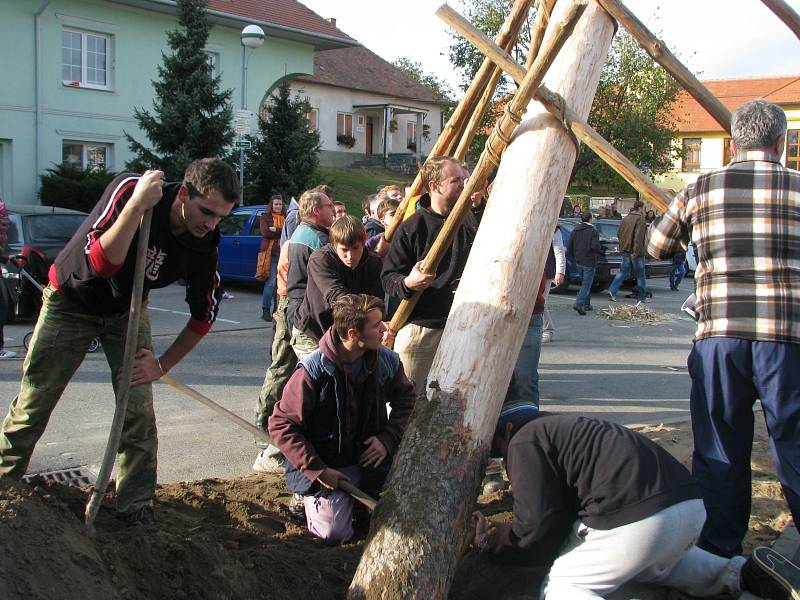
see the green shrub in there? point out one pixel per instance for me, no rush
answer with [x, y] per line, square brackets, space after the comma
[69, 187]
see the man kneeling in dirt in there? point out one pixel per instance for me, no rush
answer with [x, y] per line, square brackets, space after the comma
[605, 505]
[331, 422]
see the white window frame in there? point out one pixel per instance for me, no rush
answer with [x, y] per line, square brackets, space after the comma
[313, 126]
[411, 126]
[344, 116]
[82, 83]
[213, 59]
[85, 152]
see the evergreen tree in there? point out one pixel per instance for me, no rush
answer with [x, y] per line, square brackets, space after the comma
[191, 116]
[285, 154]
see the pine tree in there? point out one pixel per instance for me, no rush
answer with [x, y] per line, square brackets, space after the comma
[191, 116]
[285, 155]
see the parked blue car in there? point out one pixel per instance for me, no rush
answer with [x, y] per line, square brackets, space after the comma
[607, 266]
[239, 243]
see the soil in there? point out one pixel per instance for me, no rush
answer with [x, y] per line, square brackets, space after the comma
[220, 539]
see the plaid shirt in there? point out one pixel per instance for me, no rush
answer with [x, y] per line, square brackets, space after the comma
[744, 222]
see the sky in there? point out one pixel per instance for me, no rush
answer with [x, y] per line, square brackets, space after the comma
[714, 38]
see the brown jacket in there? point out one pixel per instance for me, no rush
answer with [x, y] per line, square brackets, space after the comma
[633, 235]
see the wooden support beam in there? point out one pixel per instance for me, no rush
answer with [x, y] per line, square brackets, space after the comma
[421, 523]
[495, 145]
[786, 14]
[454, 130]
[554, 103]
[662, 55]
[543, 12]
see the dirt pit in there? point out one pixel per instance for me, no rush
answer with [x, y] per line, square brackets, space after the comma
[226, 539]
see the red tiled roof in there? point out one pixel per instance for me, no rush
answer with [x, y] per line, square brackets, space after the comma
[359, 68]
[691, 117]
[285, 13]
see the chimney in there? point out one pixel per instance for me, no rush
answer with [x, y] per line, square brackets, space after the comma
[332, 21]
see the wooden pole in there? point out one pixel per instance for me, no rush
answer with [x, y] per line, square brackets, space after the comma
[559, 108]
[356, 493]
[786, 14]
[421, 523]
[495, 145]
[446, 143]
[124, 384]
[539, 27]
[662, 55]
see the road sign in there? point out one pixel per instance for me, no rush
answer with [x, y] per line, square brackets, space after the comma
[243, 144]
[242, 121]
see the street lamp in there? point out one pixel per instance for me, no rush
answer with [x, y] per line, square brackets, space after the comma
[252, 37]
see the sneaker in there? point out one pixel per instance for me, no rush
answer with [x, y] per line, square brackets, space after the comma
[768, 574]
[579, 308]
[588, 307]
[547, 337]
[611, 296]
[141, 517]
[7, 354]
[266, 315]
[297, 508]
[643, 302]
[269, 460]
[227, 296]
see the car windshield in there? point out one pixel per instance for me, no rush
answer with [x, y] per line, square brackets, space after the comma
[50, 228]
[607, 230]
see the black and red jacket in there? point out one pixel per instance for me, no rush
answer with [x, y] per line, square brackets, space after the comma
[85, 276]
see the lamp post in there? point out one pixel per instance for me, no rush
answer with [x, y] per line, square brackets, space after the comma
[252, 37]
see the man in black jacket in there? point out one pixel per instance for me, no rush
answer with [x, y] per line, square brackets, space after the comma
[89, 295]
[416, 343]
[344, 266]
[602, 505]
[584, 246]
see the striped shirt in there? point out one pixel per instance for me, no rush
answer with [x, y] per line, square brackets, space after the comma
[744, 222]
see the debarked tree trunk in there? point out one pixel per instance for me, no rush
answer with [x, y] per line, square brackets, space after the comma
[422, 521]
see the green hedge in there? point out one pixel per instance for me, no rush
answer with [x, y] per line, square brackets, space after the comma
[69, 187]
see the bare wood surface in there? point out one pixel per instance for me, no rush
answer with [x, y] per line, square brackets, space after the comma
[662, 55]
[454, 129]
[786, 14]
[356, 493]
[495, 145]
[543, 12]
[582, 130]
[124, 384]
[421, 525]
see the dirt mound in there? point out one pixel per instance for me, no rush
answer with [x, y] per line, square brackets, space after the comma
[220, 539]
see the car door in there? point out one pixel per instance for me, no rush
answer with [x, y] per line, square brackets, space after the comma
[230, 244]
[250, 244]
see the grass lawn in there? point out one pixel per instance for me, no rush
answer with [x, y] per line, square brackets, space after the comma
[351, 185]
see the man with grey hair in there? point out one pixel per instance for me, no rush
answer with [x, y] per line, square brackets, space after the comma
[744, 222]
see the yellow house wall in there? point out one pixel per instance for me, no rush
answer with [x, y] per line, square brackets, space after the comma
[711, 153]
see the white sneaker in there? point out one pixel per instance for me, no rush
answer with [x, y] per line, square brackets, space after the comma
[227, 296]
[7, 354]
[547, 337]
[268, 461]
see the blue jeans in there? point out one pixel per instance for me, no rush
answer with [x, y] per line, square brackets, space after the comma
[676, 276]
[728, 374]
[524, 384]
[269, 285]
[628, 261]
[584, 294]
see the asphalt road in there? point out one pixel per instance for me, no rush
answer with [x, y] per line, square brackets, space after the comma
[627, 373]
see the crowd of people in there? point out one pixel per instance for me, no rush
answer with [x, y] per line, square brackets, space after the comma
[598, 504]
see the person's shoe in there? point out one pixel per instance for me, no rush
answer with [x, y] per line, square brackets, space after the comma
[261, 424]
[7, 354]
[588, 307]
[227, 296]
[643, 302]
[579, 308]
[547, 337]
[266, 315]
[768, 574]
[269, 462]
[611, 296]
[297, 508]
[141, 517]
[674, 288]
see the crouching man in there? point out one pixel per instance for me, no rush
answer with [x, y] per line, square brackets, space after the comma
[605, 505]
[331, 422]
